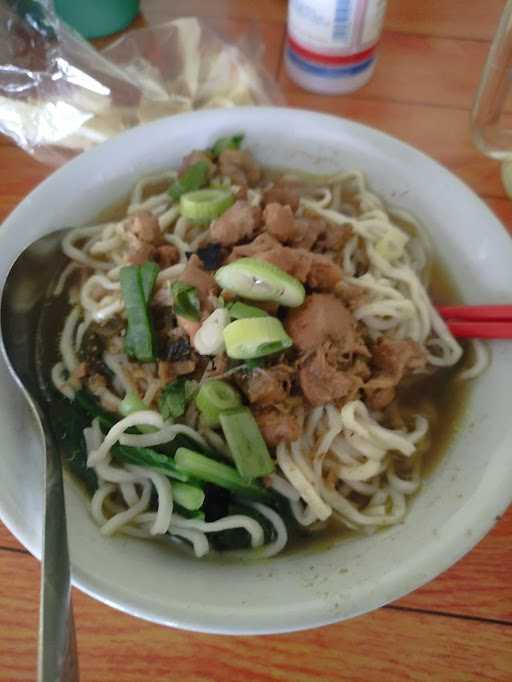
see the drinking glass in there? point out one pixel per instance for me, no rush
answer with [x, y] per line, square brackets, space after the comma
[491, 132]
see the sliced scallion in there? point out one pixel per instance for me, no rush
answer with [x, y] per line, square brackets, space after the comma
[195, 177]
[209, 339]
[131, 403]
[261, 281]
[139, 334]
[188, 496]
[187, 514]
[254, 337]
[205, 205]
[214, 397]
[148, 274]
[186, 301]
[239, 310]
[246, 443]
[223, 143]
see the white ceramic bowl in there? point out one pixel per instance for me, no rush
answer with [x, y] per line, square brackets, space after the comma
[455, 508]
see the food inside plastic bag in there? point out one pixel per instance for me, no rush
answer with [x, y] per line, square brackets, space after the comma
[59, 95]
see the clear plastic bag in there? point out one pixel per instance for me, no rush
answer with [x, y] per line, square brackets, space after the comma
[59, 95]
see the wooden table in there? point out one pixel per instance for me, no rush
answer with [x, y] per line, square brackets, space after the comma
[458, 627]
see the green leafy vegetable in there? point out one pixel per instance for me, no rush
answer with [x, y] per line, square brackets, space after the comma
[182, 441]
[138, 341]
[239, 538]
[223, 143]
[147, 457]
[86, 403]
[67, 422]
[206, 469]
[195, 177]
[186, 301]
[175, 396]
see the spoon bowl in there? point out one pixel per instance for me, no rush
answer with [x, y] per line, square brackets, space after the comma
[21, 306]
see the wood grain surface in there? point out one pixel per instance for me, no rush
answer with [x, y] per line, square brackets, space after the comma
[456, 628]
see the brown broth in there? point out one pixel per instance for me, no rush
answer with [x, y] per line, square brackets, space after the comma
[118, 210]
[441, 391]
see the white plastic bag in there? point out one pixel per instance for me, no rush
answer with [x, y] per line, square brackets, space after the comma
[59, 95]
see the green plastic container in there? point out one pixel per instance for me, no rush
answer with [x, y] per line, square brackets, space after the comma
[97, 18]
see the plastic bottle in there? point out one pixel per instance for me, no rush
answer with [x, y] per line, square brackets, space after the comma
[331, 44]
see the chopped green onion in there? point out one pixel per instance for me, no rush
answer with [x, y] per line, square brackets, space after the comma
[246, 443]
[195, 177]
[220, 183]
[205, 469]
[209, 338]
[239, 310]
[261, 281]
[186, 301]
[187, 514]
[215, 397]
[254, 337]
[188, 496]
[148, 274]
[223, 143]
[205, 205]
[139, 335]
[175, 396]
[131, 403]
[148, 457]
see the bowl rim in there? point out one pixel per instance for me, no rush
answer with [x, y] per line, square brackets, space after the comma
[495, 487]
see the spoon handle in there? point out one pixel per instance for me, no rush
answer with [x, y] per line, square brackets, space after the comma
[57, 656]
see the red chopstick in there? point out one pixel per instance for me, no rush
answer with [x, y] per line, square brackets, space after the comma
[480, 330]
[478, 321]
[475, 312]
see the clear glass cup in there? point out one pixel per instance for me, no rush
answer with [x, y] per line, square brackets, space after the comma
[489, 129]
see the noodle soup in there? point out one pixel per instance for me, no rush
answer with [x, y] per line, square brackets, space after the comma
[251, 360]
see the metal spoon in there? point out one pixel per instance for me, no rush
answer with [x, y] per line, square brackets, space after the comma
[20, 312]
